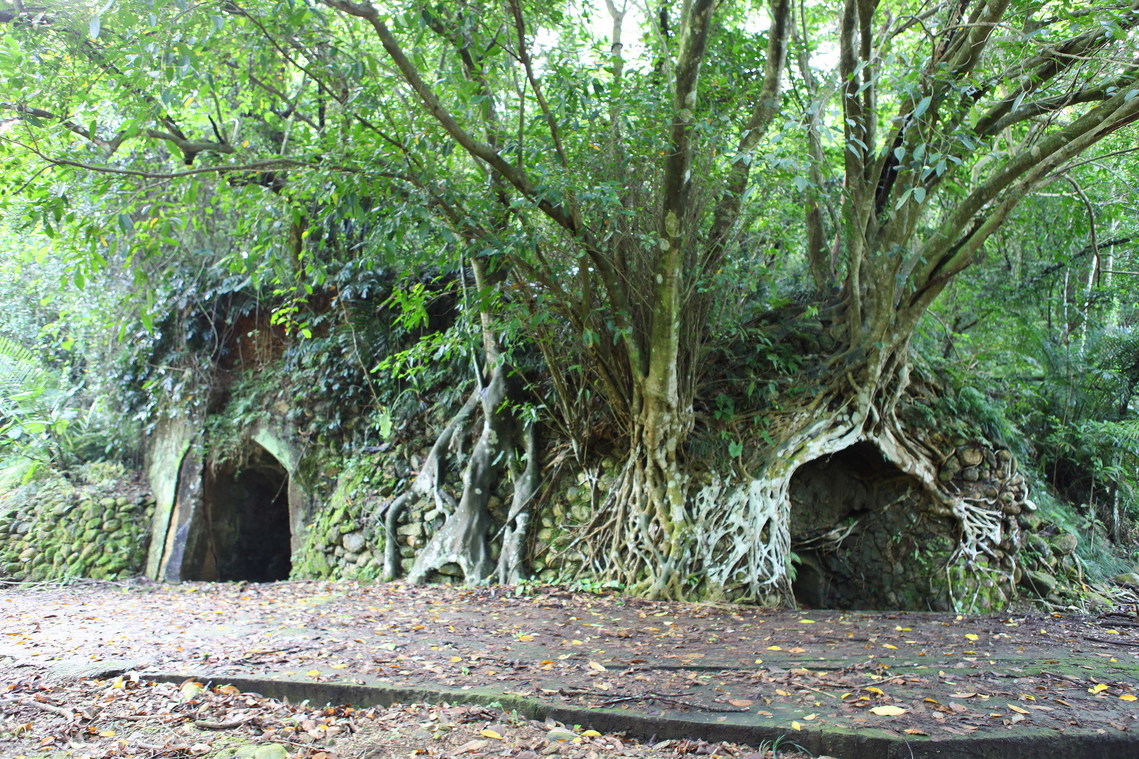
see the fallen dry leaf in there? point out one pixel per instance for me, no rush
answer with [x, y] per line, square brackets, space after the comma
[471, 746]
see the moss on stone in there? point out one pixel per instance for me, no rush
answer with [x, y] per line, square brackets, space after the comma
[349, 509]
[87, 527]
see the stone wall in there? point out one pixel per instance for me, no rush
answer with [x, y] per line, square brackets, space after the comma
[342, 540]
[992, 509]
[94, 526]
[864, 536]
[561, 519]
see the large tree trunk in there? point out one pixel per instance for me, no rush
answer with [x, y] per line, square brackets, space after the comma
[669, 532]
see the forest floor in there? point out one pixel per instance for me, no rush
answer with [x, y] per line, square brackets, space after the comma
[143, 669]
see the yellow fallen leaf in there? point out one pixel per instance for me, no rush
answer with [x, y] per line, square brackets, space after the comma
[759, 661]
[914, 731]
[796, 726]
[190, 690]
[108, 733]
[339, 666]
[119, 683]
[887, 645]
[876, 690]
[903, 629]
[457, 659]
[888, 710]
[1097, 688]
[488, 733]
[1017, 709]
[774, 648]
[525, 638]
[598, 666]
[1127, 697]
[810, 717]
[781, 692]
[590, 734]
[971, 636]
[228, 690]
[806, 621]
[313, 673]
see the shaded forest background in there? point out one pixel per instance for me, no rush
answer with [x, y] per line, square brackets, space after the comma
[468, 251]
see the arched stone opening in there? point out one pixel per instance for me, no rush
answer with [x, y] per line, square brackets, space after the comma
[243, 530]
[864, 536]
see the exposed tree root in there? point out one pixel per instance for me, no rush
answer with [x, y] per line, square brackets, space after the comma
[464, 537]
[732, 537]
[425, 485]
[634, 538]
[512, 557]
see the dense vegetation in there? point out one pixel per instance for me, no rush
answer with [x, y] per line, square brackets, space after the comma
[712, 243]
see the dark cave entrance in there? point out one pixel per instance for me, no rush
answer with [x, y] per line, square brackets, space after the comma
[244, 529]
[865, 537]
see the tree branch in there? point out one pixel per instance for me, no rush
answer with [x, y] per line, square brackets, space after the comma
[255, 166]
[1036, 72]
[949, 252]
[477, 148]
[766, 108]
[189, 148]
[527, 65]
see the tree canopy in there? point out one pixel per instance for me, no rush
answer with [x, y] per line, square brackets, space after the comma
[632, 188]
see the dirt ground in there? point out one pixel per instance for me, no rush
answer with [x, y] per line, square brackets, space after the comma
[920, 677]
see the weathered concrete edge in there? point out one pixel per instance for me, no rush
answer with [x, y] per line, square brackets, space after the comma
[837, 742]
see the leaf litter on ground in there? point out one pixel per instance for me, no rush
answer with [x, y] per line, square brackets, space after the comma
[130, 716]
[605, 651]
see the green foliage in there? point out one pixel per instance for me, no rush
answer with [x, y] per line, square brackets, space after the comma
[279, 220]
[36, 413]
